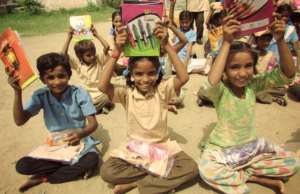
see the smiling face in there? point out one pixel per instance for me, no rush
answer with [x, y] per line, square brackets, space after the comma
[117, 21]
[56, 80]
[239, 69]
[144, 75]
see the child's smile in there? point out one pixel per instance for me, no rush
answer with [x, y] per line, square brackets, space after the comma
[57, 80]
[239, 69]
[144, 75]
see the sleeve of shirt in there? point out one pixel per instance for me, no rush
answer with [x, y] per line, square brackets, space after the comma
[192, 37]
[84, 100]
[166, 89]
[293, 37]
[34, 105]
[74, 64]
[214, 93]
[120, 93]
[275, 78]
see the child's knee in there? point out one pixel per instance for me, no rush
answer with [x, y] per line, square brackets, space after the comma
[24, 166]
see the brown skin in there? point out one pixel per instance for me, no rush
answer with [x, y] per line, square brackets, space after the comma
[161, 32]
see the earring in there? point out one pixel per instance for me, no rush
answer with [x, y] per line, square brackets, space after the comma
[131, 79]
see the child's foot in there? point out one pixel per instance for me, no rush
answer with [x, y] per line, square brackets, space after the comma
[124, 188]
[31, 182]
[272, 183]
[280, 100]
[88, 174]
[172, 108]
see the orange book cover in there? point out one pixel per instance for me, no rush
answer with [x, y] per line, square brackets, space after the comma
[12, 56]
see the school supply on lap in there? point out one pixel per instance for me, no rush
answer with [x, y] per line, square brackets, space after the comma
[238, 156]
[81, 26]
[57, 149]
[254, 15]
[157, 159]
[140, 19]
[13, 57]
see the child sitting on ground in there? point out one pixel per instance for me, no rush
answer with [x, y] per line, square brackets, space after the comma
[233, 154]
[116, 23]
[267, 62]
[90, 67]
[162, 165]
[67, 110]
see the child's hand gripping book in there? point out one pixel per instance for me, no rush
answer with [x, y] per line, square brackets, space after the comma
[13, 57]
[81, 26]
[141, 19]
[254, 15]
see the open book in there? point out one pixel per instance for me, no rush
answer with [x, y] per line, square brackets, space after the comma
[82, 27]
[140, 19]
[13, 57]
[254, 15]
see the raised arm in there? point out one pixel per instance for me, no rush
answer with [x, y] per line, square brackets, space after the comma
[181, 36]
[230, 27]
[67, 43]
[171, 12]
[20, 116]
[104, 83]
[286, 59]
[101, 39]
[181, 73]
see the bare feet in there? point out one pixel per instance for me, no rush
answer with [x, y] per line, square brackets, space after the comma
[172, 108]
[124, 188]
[31, 182]
[273, 183]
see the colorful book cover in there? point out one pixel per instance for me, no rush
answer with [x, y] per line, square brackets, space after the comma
[82, 27]
[140, 19]
[12, 56]
[254, 15]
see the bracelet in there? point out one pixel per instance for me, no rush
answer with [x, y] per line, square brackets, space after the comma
[115, 54]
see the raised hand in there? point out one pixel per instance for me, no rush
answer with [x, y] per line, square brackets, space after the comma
[278, 27]
[230, 28]
[94, 31]
[13, 79]
[161, 32]
[121, 38]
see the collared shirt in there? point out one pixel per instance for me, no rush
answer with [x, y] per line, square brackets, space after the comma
[146, 115]
[235, 115]
[90, 75]
[197, 5]
[68, 113]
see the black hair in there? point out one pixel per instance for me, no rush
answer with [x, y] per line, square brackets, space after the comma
[284, 7]
[216, 18]
[269, 35]
[185, 15]
[238, 46]
[83, 46]
[132, 63]
[295, 17]
[51, 61]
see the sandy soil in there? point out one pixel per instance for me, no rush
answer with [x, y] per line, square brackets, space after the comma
[279, 124]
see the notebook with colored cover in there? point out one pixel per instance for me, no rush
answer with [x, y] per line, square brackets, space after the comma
[12, 56]
[254, 15]
[140, 19]
[82, 27]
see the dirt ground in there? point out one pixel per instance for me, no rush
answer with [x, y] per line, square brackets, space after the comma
[191, 126]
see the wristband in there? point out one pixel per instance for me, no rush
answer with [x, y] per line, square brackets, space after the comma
[115, 54]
